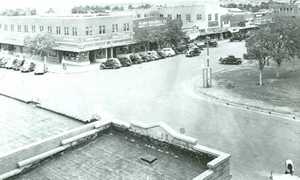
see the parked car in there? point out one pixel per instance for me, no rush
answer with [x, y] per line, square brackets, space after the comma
[112, 63]
[230, 60]
[162, 54]
[136, 58]
[181, 49]
[211, 43]
[125, 60]
[19, 63]
[154, 55]
[236, 38]
[10, 62]
[248, 56]
[3, 62]
[28, 67]
[145, 56]
[169, 52]
[200, 45]
[193, 52]
[40, 70]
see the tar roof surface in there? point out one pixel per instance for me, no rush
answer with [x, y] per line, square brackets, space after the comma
[116, 155]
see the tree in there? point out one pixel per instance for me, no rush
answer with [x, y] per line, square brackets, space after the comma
[41, 45]
[174, 34]
[258, 45]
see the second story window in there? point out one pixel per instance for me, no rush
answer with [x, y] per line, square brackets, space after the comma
[199, 16]
[138, 15]
[115, 28]
[0, 26]
[216, 17]
[178, 16]
[66, 31]
[5, 27]
[12, 28]
[41, 28]
[169, 16]
[101, 29]
[49, 29]
[74, 31]
[209, 17]
[58, 30]
[25, 28]
[188, 17]
[126, 27]
[33, 28]
[19, 28]
[88, 30]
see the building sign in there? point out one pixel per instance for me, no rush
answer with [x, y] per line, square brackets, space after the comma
[213, 23]
[151, 22]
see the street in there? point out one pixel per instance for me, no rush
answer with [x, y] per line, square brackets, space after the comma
[161, 91]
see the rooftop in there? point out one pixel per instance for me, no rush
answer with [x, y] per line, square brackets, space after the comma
[116, 154]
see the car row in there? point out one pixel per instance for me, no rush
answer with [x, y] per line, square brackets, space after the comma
[125, 60]
[18, 64]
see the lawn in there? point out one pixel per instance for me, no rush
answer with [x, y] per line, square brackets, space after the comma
[282, 92]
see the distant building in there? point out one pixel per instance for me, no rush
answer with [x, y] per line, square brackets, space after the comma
[286, 9]
[81, 39]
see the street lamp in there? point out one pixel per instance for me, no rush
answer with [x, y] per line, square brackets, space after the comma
[207, 70]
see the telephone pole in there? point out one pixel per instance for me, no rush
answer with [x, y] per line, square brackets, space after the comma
[207, 70]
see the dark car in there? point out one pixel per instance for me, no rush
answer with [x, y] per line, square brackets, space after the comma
[146, 57]
[125, 61]
[28, 67]
[230, 60]
[154, 55]
[19, 63]
[193, 52]
[211, 43]
[181, 49]
[248, 56]
[136, 58]
[236, 38]
[112, 63]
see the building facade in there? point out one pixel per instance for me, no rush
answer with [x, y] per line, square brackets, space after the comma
[80, 39]
[286, 9]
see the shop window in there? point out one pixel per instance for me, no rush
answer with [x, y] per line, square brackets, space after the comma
[53, 53]
[100, 54]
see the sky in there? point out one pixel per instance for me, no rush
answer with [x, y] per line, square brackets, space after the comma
[43, 4]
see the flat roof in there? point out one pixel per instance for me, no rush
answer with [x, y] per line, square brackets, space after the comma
[116, 154]
[29, 124]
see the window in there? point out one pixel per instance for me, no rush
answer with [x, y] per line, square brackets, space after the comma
[115, 28]
[33, 28]
[74, 31]
[41, 28]
[66, 31]
[49, 29]
[199, 17]
[88, 30]
[12, 28]
[161, 16]
[58, 30]
[101, 29]
[209, 17]
[145, 15]
[5, 27]
[178, 16]
[216, 17]
[0, 26]
[25, 28]
[138, 15]
[19, 28]
[169, 16]
[188, 17]
[126, 27]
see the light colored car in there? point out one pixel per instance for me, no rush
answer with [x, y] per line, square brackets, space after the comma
[112, 63]
[40, 70]
[169, 51]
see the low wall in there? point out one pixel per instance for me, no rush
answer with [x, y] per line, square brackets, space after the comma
[15, 162]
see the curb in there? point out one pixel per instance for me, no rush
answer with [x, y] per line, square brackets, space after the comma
[282, 114]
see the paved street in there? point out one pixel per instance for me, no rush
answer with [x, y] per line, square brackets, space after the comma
[161, 91]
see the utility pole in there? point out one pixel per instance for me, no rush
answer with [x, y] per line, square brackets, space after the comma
[207, 70]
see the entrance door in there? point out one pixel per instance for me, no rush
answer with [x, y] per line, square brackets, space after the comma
[92, 56]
